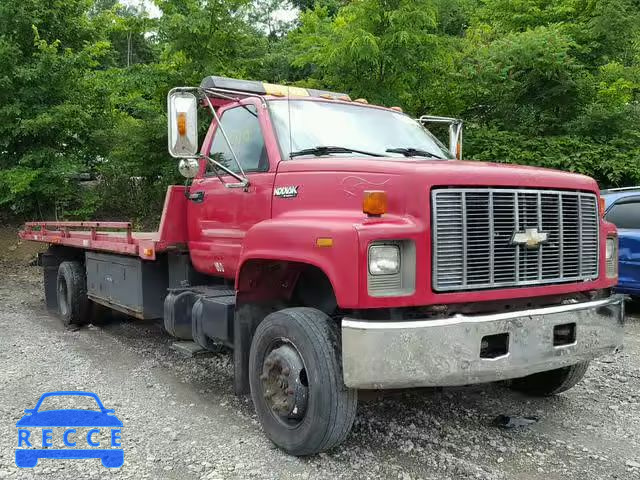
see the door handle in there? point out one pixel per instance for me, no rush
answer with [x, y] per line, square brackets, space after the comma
[197, 197]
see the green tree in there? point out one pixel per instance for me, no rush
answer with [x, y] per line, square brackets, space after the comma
[84, 83]
[526, 81]
[266, 15]
[209, 38]
[332, 6]
[46, 118]
[381, 50]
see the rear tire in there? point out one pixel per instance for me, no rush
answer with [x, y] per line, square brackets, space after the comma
[73, 304]
[552, 382]
[295, 374]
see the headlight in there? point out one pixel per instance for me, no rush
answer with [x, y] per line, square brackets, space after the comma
[611, 256]
[384, 259]
[610, 248]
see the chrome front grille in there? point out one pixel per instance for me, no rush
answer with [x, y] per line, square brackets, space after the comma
[473, 237]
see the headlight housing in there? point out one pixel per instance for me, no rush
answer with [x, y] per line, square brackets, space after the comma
[384, 259]
[611, 256]
[391, 268]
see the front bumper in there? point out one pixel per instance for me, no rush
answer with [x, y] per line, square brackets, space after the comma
[447, 352]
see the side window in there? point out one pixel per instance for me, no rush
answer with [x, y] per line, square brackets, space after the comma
[243, 131]
[625, 214]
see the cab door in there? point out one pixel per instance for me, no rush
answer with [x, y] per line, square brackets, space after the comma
[220, 216]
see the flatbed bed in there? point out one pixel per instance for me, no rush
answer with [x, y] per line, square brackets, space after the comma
[118, 237]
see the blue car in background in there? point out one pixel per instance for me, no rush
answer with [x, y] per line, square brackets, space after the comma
[622, 208]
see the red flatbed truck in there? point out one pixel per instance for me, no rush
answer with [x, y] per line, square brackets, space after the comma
[339, 246]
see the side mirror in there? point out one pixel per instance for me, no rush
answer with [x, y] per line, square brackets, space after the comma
[188, 167]
[455, 139]
[182, 124]
[455, 131]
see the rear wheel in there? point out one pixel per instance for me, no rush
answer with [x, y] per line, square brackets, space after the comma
[544, 384]
[73, 304]
[295, 374]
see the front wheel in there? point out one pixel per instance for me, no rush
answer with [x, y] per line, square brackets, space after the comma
[295, 374]
[552, 382]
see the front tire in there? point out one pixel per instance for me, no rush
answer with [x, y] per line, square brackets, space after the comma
[295, 375]
[73, 304]
[552, 382]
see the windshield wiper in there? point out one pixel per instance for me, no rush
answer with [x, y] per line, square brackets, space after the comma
[321, 150]
[413, 152]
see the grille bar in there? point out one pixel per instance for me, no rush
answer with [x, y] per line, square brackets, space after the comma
[473, 232]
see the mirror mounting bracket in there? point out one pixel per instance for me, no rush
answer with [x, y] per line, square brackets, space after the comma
[455, 131]
[243, 181]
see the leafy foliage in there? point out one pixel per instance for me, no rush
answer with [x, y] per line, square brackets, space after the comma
[83, 83]
[375, 49]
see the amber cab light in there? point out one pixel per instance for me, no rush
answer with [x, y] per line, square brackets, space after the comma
[601, 206]
[374, 202]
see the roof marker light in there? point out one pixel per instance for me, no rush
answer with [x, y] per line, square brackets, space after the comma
[284, 90]
[264, 88]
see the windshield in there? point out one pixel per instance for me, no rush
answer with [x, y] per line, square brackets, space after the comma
[351, 127]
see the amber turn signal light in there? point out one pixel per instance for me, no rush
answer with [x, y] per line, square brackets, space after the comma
[374, 202]
[601, 206]
[182, 124]
[324, 242]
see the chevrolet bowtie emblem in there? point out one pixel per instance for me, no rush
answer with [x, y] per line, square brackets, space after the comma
[531, 238]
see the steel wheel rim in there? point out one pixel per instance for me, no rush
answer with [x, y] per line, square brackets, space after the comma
[63, 298]
[284, 383]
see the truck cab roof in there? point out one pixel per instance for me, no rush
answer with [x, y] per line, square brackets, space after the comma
[270, 91]
[253, 87]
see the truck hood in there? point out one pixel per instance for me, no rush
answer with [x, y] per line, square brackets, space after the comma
[337, 184]
[447, 172]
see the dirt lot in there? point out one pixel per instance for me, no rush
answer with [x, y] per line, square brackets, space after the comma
[182, 421]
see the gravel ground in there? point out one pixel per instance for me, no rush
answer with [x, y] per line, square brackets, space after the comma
[182, 421]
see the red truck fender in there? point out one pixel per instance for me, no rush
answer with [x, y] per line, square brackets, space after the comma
[330, 246]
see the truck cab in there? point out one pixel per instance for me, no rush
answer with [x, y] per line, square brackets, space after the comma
[339, 246]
